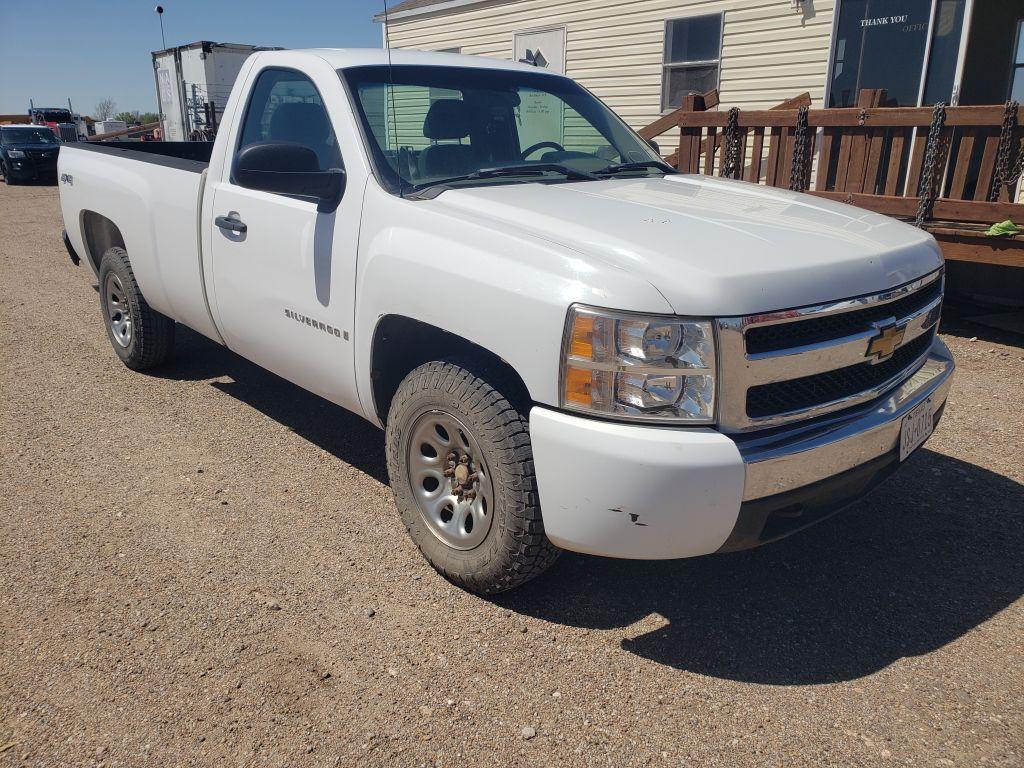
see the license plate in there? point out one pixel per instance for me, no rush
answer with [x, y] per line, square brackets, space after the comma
[916, 427]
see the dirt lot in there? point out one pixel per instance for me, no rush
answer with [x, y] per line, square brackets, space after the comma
[205, 567]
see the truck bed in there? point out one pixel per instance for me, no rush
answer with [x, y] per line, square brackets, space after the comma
[150, 192]
[183, 155]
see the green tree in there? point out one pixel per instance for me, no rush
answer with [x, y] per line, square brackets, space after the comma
[128, 117]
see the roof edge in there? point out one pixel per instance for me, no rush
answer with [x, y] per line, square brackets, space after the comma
[435, 7]
[209, 45]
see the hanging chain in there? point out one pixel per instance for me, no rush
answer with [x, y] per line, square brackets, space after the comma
[800, 173]
[1007, 172]
[928, 190]
[731, 166]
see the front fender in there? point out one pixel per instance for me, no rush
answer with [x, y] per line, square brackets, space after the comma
[501, 289]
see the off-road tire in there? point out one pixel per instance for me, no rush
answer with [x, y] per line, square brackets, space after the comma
[515, 549]
[152, 333]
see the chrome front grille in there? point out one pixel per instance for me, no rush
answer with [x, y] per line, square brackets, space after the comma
[43, 155]
[775, 336]
[67, 132]
[796, 364]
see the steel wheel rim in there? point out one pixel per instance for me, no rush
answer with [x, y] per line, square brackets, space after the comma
[119, 316]
[460, 524]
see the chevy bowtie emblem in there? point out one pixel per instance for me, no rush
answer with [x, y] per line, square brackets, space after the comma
[885, 343]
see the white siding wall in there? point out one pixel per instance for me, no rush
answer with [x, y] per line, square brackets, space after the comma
[770, 52]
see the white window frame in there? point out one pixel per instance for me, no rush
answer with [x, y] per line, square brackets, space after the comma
[667, 65]
[1015, 68]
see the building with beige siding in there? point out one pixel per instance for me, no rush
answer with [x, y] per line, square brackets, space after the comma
[642, 56]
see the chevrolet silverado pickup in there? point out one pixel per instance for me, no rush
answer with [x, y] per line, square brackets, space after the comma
[567, 344]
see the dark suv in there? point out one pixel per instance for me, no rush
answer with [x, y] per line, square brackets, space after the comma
[28, 153]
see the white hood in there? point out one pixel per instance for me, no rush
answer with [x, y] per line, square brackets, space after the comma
[715, 246]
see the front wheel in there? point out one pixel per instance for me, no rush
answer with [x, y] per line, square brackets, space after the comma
[461, 468]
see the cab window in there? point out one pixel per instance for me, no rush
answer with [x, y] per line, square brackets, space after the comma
[430, 124]
[286, 106]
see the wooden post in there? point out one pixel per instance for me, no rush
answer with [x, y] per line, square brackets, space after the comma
[871, 98]
[688, 156]
[854, 147]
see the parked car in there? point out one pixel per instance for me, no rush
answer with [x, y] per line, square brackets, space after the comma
[568, 344]
[28, 153]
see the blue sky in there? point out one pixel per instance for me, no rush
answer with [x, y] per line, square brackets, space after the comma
[94, 49]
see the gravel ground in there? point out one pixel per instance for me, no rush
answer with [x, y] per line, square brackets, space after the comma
[204, 566]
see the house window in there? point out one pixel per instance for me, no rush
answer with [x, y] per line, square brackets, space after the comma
[1017, 79]
[693, 48]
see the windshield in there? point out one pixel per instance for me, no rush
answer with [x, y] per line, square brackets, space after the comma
[56, 116]
[27, 136]
[431, 125]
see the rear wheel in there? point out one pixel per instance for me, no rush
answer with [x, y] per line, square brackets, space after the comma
[140, 336]
[461, 467]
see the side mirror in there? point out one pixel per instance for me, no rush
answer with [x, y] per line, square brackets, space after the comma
[287, 168]
[654, 146]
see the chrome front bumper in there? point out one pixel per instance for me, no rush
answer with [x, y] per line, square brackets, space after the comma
[690, 492]
[789, 458]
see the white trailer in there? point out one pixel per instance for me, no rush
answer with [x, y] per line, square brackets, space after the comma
[192, 85]
[109, 126]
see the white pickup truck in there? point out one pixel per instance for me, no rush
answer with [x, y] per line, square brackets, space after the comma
[568, 344]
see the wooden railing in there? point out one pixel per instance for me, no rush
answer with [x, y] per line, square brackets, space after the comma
[885, 159]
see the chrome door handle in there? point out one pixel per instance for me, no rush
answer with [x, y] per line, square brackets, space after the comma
[231, 223]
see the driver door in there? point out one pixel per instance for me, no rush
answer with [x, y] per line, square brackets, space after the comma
[282, 271]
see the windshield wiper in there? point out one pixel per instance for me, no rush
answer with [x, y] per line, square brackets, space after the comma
[520, 169]
[638, 166]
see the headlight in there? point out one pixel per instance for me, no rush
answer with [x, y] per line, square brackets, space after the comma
[638, 368]
[15, 153]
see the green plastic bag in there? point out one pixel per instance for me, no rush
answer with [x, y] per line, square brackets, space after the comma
[1004, 228]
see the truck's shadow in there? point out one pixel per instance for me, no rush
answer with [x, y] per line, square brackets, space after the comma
[349, 437]
[930, 556]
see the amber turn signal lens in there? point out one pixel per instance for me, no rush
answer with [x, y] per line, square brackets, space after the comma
[582, 337]
[578, 383]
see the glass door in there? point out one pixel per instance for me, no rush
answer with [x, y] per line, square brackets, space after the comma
[911, 48]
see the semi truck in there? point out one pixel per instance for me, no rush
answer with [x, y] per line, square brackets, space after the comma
[65, 124]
